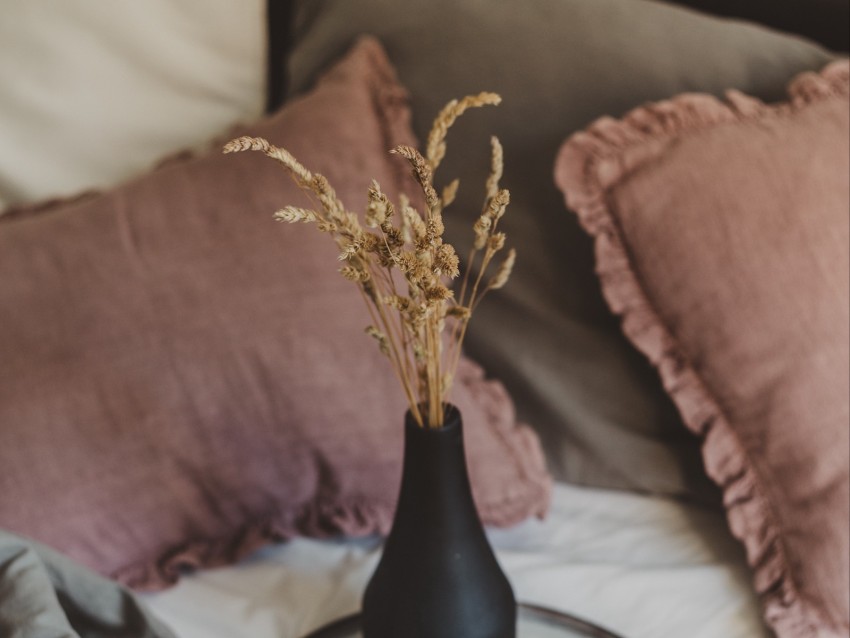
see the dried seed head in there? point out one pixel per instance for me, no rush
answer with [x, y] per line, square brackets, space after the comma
[497, 166]
[386, 258]
[459, 312]
[420, 277]
[292, 215]
[246, 143]
[437, 292]
[446, 261]
[380, 337]
[407, 262]
[392, 236]
[369, 288]
[504, 272]
[329, 200]
[436, 148]
[398, 302]
[376, 214]
[424, 257]
[413, 228]
[434, 229]
[421, 171]
[497, 204]
[349, 250]
[370, 243]
[352, 273]
[496, 242]
[379, 209]
[482, 229]
[449, 193]
[417, 317]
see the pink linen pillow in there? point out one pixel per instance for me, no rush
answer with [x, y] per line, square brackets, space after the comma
[183, 380]
[722, 239]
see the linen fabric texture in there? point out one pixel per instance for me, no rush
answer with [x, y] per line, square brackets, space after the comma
[46, 594]
[183, 380]
[602, 415]
[722, 239]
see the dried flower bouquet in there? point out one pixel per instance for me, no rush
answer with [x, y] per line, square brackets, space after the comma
[403, 267]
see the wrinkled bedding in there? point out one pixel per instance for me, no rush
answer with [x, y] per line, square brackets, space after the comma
[644, 567]
[45, 595]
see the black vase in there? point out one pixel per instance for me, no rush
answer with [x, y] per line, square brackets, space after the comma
[438, 576]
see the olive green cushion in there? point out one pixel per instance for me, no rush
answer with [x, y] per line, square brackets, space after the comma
[559, 64]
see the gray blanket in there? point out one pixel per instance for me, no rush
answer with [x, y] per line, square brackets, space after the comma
[46, 595]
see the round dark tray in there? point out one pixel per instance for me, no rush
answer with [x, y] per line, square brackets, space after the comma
[533, 622]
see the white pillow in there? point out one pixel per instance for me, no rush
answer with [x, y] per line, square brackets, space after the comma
[92, 93]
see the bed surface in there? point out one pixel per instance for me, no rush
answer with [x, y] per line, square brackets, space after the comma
[641, 566]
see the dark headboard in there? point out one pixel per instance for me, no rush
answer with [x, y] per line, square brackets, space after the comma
[278, 17]
[824, 21]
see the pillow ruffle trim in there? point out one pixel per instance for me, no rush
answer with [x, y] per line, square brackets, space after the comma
[588, 164]
[327, 517]
[332, 516]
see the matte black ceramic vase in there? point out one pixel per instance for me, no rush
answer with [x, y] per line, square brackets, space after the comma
[438, 576]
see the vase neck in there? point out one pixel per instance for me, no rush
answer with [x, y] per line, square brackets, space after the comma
[435, 479]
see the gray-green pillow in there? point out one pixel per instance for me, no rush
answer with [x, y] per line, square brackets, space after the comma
[559, 64]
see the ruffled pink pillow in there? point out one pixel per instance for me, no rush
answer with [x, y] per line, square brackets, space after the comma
[183, 380]
[722, 240]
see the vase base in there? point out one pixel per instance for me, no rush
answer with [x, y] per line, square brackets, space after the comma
[533, 622]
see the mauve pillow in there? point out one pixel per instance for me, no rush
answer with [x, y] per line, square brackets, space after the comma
[559, 64]
[722, 239]
[181, 379]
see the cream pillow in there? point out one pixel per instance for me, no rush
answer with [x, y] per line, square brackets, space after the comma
[94, 92]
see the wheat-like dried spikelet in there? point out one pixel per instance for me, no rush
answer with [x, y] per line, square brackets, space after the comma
[422, 172]
[497, 204]
[446, 262]
[496, 242]
[497, 167]
[353, 273]
[436, 147]
[449, 193]
[504, 272]
[482, 228]
[332, 205]
[412, 226]
[459, 312]
[379, 209]
[246, 143]
[380, 337]
[293, 214]
[398, 302]
[349, 250]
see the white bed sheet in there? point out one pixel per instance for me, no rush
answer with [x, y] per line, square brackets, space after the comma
[642, 566]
